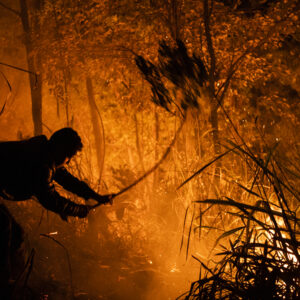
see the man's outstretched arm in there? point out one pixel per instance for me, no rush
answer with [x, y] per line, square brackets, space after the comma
[78, 187]
[53, 201]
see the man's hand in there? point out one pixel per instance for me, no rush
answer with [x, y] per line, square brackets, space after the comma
[80, 211]
[104, 199]
[63, 216]
[83, 211]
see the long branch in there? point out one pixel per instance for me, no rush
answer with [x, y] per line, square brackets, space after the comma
[17, 68]
[68, 259]
[151, 170]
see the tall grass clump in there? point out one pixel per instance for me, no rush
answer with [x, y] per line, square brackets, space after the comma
[260, 258]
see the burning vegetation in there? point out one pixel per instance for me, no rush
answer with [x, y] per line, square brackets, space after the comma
[188, 112]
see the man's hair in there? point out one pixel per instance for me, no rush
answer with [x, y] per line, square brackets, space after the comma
[64, 143]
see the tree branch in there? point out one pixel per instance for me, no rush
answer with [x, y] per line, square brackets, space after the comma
[11, 9]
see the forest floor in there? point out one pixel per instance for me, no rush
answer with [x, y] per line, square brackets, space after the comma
[69, 264]
[101, 275]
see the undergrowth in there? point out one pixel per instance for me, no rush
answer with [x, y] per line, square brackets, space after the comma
[259, 256]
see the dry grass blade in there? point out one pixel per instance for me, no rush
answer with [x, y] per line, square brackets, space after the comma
[204, 167]
[250, 191]
[2, 109]
[243, 207]
[184, 222]
[68, 260]
[228, 233]
[189, 235]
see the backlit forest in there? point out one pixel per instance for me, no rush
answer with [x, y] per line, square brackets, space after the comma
[201, 97]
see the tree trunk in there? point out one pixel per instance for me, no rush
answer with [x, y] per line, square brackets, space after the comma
[156, 174]
[140, 155]
[35, 80]
[174, 17]
[97, 124]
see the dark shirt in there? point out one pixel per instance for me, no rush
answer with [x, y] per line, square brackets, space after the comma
[27, 171]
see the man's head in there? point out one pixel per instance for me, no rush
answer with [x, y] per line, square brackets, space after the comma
[64, 144]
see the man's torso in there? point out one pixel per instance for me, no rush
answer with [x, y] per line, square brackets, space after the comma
[23, 167]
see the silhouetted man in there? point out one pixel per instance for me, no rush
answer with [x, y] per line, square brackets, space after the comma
[29, 167]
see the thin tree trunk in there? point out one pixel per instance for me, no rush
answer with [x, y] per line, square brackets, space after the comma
[214, 120]
[156, 174]
[35, 80]
[174, 17]
[198, 135]
[216, 141]
[98, 129]
[214, 105]
[138, 144]
[66, 98]
[139, 150]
